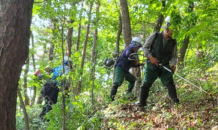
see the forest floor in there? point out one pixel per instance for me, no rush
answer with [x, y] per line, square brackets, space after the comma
[161, 113]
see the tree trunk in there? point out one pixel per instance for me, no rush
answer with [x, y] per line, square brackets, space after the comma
[93, 59]
[118, 43]
[126, 27]
[160, 19]
[182, 52]
[69, 39]
[183, 49]
[118, 35]
[15, 20]
[51, 49]
[34, 69]
[26, 117]
[79, 29]
[84, 49]
[25, 82]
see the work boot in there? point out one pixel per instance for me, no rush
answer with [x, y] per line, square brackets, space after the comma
[112, 97]
[176, 100]
[113, 91]
[142, 107]
[172, 92]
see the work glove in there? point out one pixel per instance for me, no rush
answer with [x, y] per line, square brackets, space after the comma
[154, 60]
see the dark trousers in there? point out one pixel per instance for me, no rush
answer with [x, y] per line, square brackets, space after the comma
[120, 75]
[50, 93]
[150, 76]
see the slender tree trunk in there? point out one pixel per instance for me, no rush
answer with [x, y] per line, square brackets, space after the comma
[26, 117]
[118, 35]
[51, 50]
[182, 52]
[34, 69]
[160, 19]
[25, 82]
[93, 59]
[118, 43]
[14, 42]
[84, 49]
[63, 81]
[69, 38]
[126, 27]
[183, 49]
[69, 47]
[79, 29]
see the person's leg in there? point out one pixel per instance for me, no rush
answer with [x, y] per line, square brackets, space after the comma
[167, 80]
[118, 80]
[43, 112]
[149, 77]
[131, 79]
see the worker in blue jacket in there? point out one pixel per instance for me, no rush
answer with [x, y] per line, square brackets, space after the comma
[50, 89]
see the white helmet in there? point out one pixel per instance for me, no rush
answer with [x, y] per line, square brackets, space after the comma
[167, 24]
[66, 58]
[167, 19]
[137, 39]
[136, 42]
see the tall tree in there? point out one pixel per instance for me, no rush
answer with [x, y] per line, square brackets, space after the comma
[34, 68]
[54, 34]
[15, 20]
[159, 19]
[183, 49]
[93, 59]
[26, 101]
[84, 47]
[126, 27]
[79, 28]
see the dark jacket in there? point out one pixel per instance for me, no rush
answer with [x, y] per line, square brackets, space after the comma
[124, 63]
[161, 52]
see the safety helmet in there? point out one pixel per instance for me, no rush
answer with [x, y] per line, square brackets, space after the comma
[48, 69]
[67, 59]
[136, 42]
[167, 22]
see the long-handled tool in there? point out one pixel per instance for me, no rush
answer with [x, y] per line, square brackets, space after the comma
[160, 65]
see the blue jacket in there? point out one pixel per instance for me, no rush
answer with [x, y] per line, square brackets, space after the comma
[57, 72]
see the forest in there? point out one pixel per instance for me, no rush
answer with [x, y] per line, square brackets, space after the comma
[42, 34]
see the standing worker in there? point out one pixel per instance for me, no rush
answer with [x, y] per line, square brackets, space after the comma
[123, 66]
[159, 48]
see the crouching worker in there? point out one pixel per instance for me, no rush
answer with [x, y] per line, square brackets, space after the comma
[50, 89]
[123, 66]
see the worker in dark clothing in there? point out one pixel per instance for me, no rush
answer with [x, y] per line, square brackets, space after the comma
[50, 89]
[159, 48]
[123, 66]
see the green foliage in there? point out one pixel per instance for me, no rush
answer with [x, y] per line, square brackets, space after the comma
[194, 19]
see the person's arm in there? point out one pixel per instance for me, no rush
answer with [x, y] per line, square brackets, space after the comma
[135, 63]
[148, 42]
[147, 46]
